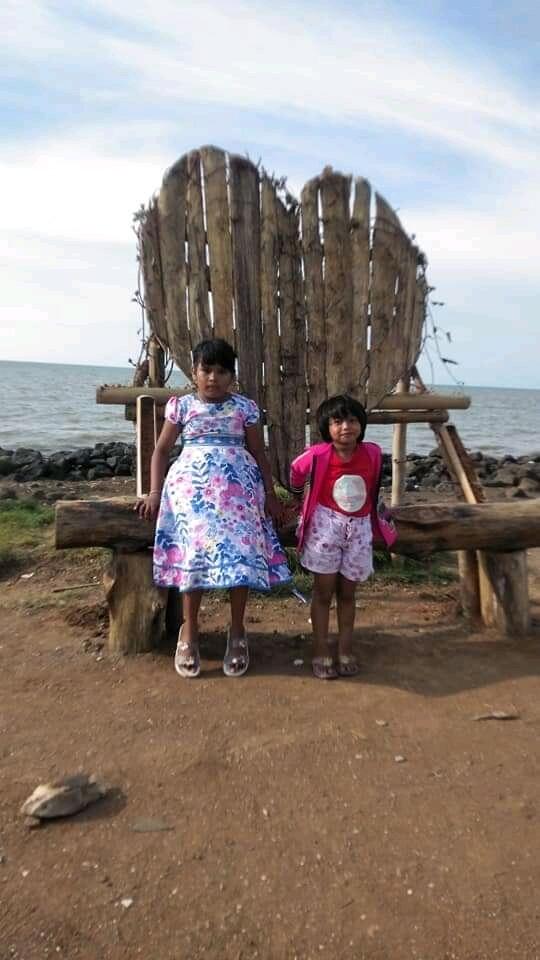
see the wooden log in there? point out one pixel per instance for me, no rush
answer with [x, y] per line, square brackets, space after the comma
[314, 299]
[338, 296]
[218, 230]
[198, 304]
[407, 416]
[172, 240]
[154, 301]
[407, 401]
[246, 246]
[125, 395]
[273, 397]
[424, 401]
[360, 265]
[137, 608]
[508, 577]
[422, 529]
[292, 337]
[146, 441]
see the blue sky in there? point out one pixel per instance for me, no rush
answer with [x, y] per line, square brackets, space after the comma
[437, 104]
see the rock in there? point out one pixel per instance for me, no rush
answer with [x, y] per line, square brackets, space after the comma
[23, 456]
[63, 798]
[7, 465]
[124, 468]
[33, 471]
[530, 487]
[100, 471]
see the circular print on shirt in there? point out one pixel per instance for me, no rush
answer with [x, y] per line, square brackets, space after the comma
[350, 493]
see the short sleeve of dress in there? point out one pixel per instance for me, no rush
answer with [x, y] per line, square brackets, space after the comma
[175, 410]
[251, 412]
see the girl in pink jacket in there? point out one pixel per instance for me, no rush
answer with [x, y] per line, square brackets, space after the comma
[340, 480]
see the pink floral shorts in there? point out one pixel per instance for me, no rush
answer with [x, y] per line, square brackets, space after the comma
[335, 543]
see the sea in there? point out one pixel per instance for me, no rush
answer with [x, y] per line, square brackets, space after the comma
[51, 407]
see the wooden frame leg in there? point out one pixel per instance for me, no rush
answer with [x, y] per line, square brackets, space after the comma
[137, 608]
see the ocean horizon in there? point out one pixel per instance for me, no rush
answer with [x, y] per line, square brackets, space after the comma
[51, 407]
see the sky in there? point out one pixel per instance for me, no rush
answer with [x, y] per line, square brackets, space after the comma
[437, 104]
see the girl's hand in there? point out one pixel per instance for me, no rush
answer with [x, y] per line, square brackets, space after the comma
[274, 508]
[148, 506]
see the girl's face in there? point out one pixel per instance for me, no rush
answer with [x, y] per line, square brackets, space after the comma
[345, 433]
[212, 382]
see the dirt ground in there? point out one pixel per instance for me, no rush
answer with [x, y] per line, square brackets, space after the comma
[273, 816]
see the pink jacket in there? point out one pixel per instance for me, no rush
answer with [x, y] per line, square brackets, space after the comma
[310, 467]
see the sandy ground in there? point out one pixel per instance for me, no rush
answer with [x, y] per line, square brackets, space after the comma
[270, 817]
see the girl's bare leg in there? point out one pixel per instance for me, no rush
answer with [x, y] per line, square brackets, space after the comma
[324, 585]
[346, 612]
[238, 597]
[190, 628]
[236, 660]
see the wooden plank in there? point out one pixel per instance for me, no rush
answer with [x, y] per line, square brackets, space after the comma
[419, 318]
[314, 300]
[172, 238]
[218, 230]
[383, 368]
[292, 336]
[198, 305]
[273, 397]
[410, 301]
[151, 270]
[246, 245]
[360, 265]
[338, 296]
[146, 441]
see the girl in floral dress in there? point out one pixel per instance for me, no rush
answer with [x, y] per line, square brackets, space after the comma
[215, 507]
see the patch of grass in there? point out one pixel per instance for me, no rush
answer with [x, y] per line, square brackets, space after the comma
[406, 570]
[23, 523]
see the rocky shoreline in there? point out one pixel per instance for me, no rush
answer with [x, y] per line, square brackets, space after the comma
[519, 475]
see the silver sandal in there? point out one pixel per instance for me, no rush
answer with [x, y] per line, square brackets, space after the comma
[236, 663]
[187, 664]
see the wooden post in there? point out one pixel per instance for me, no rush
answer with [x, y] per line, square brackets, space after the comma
[469, 585]
[399, 452]
[146, 441]
[508, 577]
[137, 608]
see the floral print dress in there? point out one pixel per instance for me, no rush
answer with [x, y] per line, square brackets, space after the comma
[212, 532]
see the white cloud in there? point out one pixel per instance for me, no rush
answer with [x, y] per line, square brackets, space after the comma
[68, 199]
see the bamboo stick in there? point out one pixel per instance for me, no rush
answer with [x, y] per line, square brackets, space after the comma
[399, 452]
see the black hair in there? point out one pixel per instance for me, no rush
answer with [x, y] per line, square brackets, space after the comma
[213, 353]
[339, 408]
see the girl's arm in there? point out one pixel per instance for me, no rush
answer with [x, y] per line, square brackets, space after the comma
[255, 445]
[149, 505]
[300, 471]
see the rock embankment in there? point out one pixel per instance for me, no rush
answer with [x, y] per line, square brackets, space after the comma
[518, 476]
